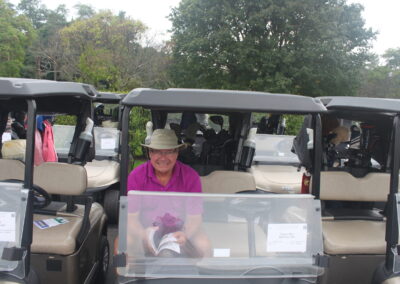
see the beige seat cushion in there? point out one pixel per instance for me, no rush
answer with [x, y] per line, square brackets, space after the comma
[227, 182]
[55, 178]
[60, 178]
[393, 280]
[11, 169]
[277, 178]
[14, 149]
[102, 173]
[338, 185]
[61, 239]
[234, 236]
[354, 237]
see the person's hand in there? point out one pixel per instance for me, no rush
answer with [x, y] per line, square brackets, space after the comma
[180, 237]
[146, 240]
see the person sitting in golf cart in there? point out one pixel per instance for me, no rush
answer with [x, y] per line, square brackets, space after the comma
[180, 218]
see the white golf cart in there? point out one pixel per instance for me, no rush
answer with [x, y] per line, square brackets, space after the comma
[62, 241]
[103, 170]
[254, 236]
[275, 167]
[359, 170]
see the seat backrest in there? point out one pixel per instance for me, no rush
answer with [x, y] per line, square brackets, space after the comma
[340, 185]
[14, 149]
[55, 178]
[11, 169]
[60, 178]
[227, 182]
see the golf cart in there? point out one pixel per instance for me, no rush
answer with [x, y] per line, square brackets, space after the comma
[254, 235]
[359, 168]
[16, 203]
[275, 167]
[68, 238]
[103, 170]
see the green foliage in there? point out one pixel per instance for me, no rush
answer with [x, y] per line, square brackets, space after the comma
[103, 50]
[84, 11]
[44, 55]
[138, 162]
[33, 10]
[392, 57]
[137, 130]
[65, 120]
[96, 65]
[293, 124]
[99, 48]
[308, 47]
[16, 34]
[383, 81]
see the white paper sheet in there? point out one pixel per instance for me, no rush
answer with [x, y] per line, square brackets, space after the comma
[222, 252]
[287, 238]
[7, 226]
[6, 137]
[108, 143]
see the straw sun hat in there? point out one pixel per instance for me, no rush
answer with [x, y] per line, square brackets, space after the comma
[163, 139]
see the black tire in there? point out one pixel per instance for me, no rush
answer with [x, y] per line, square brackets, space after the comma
[103, 261]
[111, 205]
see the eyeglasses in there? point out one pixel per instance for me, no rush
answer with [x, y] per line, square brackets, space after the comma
[163, 152]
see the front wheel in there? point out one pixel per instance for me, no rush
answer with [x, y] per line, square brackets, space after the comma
[103, 261]
[111, 205]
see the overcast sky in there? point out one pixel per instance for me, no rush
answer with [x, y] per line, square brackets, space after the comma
[381, 15]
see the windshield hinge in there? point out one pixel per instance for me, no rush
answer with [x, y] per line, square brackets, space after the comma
[321, 260]
[13, 253]
[119, 260]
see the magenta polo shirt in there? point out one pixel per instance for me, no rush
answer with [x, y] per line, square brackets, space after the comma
[183, 179]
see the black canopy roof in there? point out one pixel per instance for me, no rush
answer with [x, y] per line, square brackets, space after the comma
[374, 110]
[109, 97]
[362, 104]
[222, 101]
[38, 88]
[50, 96]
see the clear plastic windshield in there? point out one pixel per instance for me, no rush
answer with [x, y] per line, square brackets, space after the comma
[219, 236]
[398, 210]
[63, 135]
[13, 203]
[274, 149]
[107, 140]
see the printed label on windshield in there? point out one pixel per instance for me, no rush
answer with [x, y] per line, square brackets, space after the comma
[108, 143]
[287, 238]
[7, 226]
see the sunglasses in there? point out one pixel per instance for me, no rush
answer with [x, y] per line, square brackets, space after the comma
[163, 152]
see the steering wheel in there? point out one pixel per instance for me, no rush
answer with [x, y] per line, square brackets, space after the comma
[248, 208]
[41, 198]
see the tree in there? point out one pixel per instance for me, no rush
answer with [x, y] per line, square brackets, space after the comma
[84, 11]
[392, 57]
[309, 47]
[44, 55]
[16, 34]
[47, 50]
[33, 10]
[105, 50]
[383, 80]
